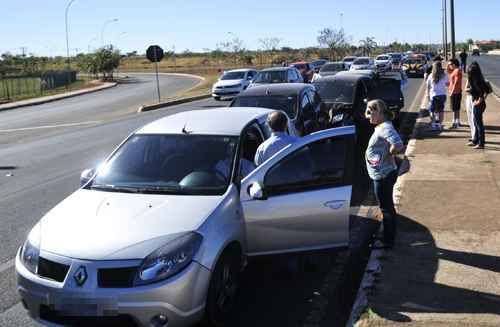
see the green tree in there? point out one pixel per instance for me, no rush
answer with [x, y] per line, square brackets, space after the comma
[367, 45]
[107, 59]
[335, 40]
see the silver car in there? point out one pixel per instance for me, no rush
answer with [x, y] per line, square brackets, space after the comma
[159, 233]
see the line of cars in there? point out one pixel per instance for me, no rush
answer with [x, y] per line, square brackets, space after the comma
[166, 223]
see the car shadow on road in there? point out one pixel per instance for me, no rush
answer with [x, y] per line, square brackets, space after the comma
[409, 278]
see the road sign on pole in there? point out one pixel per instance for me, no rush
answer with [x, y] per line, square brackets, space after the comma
[155, 54]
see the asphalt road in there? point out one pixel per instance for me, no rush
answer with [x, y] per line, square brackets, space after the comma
[41, 166]
[490, 66]
[24, 124]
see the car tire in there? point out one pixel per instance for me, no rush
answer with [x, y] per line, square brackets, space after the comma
[223, 288]
[217, 98]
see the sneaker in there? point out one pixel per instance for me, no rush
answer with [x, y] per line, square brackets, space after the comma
[470, 143]
[453, 126]
[478, 147]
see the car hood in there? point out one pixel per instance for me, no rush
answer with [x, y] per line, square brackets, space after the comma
[97, 225]
[229, 82]
[385, 62]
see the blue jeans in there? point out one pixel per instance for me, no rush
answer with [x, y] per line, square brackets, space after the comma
[479, 133]
[383, 191]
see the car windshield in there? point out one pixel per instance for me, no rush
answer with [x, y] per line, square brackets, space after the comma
[335, 91]
[337, 67]
[169, 164]
[397, 56]
[271, 76]
[233, 75]
[382, 58]
[414, 61]
[349, 59]
[285, 103]
[361, 61]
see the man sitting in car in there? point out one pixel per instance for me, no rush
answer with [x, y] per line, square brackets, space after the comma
[279, 139]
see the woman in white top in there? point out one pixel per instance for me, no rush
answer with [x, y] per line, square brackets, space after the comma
[437, 84]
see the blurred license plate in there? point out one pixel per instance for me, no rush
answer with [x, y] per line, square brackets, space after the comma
[413, 71]
[72, 309]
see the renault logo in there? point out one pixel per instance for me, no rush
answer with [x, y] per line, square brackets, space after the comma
[80, 276]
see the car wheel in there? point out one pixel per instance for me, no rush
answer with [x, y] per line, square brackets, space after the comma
[223, 288]
[217, 98]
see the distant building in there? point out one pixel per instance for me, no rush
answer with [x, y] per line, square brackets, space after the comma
[486, 45]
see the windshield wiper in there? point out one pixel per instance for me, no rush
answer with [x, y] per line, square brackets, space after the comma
[114, 188]
[160, 190]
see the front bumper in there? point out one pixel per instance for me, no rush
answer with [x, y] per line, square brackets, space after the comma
[180, 298]
[226, 92]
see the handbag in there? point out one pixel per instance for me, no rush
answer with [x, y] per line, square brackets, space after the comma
[402, 163]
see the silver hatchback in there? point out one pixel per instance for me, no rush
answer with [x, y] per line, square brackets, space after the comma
[159, 233]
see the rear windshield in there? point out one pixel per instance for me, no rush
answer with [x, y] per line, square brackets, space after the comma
[349, 59]
[272, 76]
[287, 104]
[397, 56]
[336, 91]
[361, 61]
[337, 67]
[382, 58]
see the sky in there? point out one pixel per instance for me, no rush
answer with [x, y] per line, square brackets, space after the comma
[38, 25]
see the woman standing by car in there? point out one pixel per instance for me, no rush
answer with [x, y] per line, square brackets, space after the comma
[384, 143]
[479, 90]
[437, 84]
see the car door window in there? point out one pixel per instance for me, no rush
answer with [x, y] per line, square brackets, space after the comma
[291, 77]
[321, 164]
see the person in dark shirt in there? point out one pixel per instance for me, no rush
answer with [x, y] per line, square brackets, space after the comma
[479, 90]
[463, 60]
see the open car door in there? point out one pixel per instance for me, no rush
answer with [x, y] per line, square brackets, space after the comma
[299, 199]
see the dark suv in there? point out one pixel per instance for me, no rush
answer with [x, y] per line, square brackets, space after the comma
[301, 103]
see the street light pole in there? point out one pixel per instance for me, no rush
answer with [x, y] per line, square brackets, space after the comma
[104, 27]
[68, 62]
[452, 27]
[445, 22]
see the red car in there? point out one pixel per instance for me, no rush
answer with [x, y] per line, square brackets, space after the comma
[305, 70]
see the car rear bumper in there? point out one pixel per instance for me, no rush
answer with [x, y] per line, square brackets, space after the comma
[181, 298]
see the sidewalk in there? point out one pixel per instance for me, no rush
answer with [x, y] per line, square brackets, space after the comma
[50, 98]
[445, 268]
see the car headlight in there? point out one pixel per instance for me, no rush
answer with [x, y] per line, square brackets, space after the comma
[169, 259]
[30, 252]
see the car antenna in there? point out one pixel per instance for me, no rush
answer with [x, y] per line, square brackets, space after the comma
[185, 131]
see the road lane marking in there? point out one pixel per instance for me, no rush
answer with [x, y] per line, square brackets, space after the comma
[7, 265]
[50, 126]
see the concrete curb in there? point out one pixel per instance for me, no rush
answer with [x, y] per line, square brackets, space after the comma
[51, 98]
[374, 266]
[165, 104]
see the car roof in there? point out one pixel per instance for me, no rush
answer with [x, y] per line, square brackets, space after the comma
[275, 68]
[276, 89]
[363, 58]
[299, 63]
[238, 70]
[344, 76]
[219, 121]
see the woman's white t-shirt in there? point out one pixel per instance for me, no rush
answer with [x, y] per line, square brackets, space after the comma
[439, 88]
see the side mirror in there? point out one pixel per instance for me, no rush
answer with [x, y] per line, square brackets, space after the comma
[256, 191]
[86, 175]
